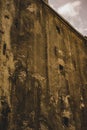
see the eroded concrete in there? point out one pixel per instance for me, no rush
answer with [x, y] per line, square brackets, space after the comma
[42, 68]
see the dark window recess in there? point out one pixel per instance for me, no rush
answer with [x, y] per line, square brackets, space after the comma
[6, 16]
[56, 51]
[58, 29]
[65, 121]
[74, 63]
[16, 23]
[7, 3]
[1, 31]
[61, 67]
[4, 49]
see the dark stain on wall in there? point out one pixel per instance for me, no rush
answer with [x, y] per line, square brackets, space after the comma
[43, 69]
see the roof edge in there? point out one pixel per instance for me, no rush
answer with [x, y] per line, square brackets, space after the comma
[65, 21]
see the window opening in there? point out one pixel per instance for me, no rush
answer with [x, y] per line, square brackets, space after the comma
[16, 23]
[58, 29]
[65, 121]
[4, 49]
[1, 31]
[56, 51]
[6, 16]
[61, 67]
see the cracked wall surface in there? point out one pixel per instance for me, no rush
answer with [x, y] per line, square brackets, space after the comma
[42, 68]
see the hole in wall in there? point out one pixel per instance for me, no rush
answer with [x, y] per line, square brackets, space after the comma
[58, 29]
[16, 23]
[6, 16]
[1, 31]
[56, 51]
[65, 121]
[61, 67]
[4, 49]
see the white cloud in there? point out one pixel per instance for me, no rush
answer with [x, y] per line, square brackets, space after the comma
[85, 29]
[70, 9]
[71, 12]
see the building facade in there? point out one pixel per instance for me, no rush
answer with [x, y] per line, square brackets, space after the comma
[43, 68]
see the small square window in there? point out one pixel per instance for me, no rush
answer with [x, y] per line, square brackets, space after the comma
[65, 121]
[61, 68]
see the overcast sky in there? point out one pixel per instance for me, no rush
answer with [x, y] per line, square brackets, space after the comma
[74, 11]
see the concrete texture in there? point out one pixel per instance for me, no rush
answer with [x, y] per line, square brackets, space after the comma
[42, 68]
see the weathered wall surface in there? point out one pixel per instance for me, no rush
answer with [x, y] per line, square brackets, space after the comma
[67, 62]
[7, 12]
[29, 45]
[43, 63]
[67, 73]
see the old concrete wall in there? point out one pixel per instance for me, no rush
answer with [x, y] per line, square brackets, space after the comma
[7, 12]
[67, 76]
[29, 45]
[43, 63]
